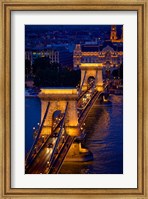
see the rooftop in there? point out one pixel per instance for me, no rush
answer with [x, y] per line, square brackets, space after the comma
[90, 48]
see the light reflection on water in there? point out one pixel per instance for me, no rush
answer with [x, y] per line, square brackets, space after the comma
[104, 127]
[104, 139]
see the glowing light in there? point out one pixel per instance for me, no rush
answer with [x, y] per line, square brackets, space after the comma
[48, 151]
[59, 91]
[105, 100]
[91, 64]
[53, 142]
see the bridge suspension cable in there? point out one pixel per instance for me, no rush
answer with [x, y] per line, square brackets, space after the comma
[39, 132]
[57, 163]
[58, 139]
[54, 158]
[46, 154]
[82, 82]
[95, 79]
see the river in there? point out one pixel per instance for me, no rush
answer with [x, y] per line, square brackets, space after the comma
[104, 138]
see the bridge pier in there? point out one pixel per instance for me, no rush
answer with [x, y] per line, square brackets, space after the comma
[58, 99]
[78, 154]
[91, 70]
[99, 80]
[104, 98]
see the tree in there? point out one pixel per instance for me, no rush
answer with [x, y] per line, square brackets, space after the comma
[115, 73]
[40, 64]
[121, 71]
[27, 68]
[52, 74]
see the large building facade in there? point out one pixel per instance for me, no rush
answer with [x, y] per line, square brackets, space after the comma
[110, 53]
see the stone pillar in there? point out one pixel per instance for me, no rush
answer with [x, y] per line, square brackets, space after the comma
[71, 120]
[91, 70]
[79, 154]
[83, 81]
[99, 80]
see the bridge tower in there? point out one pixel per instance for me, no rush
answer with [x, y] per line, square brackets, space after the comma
[58, 99]
[91, 70]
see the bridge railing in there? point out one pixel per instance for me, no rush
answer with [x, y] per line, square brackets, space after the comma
[43, 144]
[59, 134]
[82, 82]
[57, 163]
[61, 124]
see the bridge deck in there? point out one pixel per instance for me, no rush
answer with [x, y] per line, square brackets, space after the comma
[49, 160]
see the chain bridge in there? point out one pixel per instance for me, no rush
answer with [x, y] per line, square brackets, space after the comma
[62, 127]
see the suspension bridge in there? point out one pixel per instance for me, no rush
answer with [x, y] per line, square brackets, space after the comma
[62, 127]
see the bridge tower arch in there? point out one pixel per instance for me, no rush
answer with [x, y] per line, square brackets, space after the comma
[59, 99]
[94, 70]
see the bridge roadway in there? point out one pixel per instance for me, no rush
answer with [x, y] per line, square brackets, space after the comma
[58, 160]
[40, 141]
[38, 163]
[49, 160]
[57, 163]
[34, 161]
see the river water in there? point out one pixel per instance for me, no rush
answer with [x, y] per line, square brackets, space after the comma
[104, 138]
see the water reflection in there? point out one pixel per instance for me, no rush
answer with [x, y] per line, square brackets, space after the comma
[104, 139]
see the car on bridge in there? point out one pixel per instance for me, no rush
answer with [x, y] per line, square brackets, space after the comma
[55, 134]
[50, 145]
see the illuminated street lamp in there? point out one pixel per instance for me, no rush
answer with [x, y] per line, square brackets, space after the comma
[42, 138]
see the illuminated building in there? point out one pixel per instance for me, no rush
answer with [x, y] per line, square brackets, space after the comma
[113, 35]
[110, 53]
